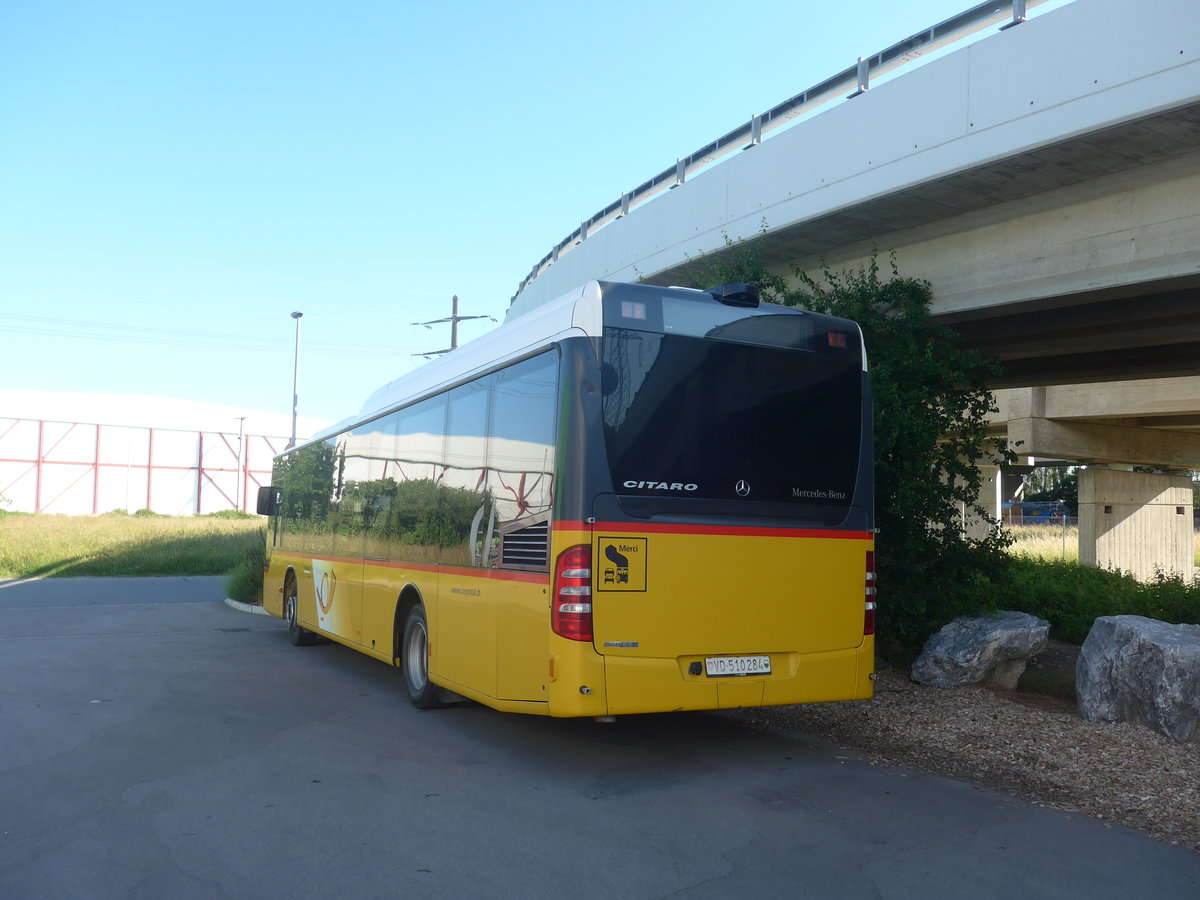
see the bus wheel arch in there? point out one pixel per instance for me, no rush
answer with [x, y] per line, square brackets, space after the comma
[409, 597]
[297, 634]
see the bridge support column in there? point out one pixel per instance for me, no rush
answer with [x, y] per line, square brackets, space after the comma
[991, 498]
[1136, 522]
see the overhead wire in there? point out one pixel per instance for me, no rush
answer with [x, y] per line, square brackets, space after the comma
[135, 334]
[235, 298]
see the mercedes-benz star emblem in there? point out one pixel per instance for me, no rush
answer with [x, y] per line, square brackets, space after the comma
[742, 488]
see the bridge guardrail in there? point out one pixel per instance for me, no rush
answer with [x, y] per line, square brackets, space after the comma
[750, 134]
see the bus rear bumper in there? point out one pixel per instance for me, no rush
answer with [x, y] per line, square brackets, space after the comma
[634, 685]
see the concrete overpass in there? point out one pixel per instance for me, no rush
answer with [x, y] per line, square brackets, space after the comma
[1044, 178]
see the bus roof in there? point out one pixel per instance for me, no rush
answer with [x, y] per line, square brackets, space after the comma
[517, 337]
[578, 312]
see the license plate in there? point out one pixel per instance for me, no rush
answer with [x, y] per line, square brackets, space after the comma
[723, 666]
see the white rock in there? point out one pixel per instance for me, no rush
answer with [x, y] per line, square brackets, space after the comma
[991, 648]
[1134, 669]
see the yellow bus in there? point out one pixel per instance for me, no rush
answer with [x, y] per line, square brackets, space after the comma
[631, 499]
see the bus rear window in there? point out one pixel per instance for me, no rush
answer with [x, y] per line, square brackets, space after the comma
[774, 430]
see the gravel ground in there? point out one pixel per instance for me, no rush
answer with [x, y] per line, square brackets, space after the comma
[1027, 745]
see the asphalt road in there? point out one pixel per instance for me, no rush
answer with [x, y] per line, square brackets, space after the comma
[156, 743]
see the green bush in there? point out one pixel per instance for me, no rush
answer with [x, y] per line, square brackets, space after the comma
[245, 582]
[1071, 596]
[1169, 599]
[919, 593]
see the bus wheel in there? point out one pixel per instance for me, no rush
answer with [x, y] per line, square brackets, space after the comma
[301, 637]
[414, 660]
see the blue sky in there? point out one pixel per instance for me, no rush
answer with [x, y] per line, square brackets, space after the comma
[177, 177]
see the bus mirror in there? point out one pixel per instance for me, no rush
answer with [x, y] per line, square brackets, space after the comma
[270, 500]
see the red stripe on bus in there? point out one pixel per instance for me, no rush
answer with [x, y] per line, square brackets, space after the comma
[730, 530]
[337, 559]
[499, 574]
[431, 568]
[434, 568]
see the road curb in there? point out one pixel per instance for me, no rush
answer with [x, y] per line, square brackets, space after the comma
[254, 609]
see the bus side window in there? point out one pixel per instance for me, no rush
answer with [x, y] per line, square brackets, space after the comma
[418, 468]
[463, 500]
[375, 448]
[520, 458]
[309, 478]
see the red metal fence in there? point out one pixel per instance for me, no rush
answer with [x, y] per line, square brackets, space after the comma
[81, 468]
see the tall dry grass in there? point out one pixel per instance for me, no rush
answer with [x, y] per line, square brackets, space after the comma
[1055, 542]
[35, 545]
[1050, 542]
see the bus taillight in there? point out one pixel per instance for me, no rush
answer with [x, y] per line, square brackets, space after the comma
[571, 611]
[869, 608]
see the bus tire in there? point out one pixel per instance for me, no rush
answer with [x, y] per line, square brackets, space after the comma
[298, 635]
[414, 661]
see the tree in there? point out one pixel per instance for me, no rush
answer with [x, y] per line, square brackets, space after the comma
[308, 479]
[931, 403]
[1054, 483]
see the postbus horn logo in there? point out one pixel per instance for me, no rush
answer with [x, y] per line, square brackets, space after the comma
[742, 488]
[326, 588]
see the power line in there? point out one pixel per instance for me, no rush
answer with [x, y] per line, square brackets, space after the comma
[106, 332]
[454, 318]
[235, 298]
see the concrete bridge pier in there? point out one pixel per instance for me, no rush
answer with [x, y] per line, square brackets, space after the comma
[991, 498]
[1134, 522]
[1138, 522]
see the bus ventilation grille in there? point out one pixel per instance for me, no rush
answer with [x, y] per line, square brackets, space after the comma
[529, 546]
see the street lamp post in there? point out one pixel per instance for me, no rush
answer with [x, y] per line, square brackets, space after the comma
[295, 380]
